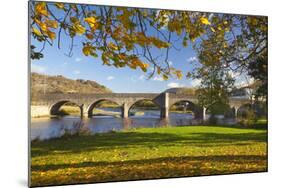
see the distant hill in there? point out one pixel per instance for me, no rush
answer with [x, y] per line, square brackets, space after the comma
[59, 84]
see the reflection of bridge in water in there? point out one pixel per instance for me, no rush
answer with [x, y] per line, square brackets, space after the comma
[87, 102]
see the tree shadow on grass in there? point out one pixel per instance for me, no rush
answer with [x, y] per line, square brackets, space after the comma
[193, 160]
[107, 141]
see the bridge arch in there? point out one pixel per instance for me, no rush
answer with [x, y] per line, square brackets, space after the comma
[94, 104]
[197, 111]
[55, 107]
[147, 103]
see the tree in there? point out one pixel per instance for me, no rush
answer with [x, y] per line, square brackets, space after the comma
[257, 69]
[236, 41]
[215, 88]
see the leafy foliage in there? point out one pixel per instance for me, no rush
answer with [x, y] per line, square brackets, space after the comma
[258, 70]
[123, 37]
[215, 88]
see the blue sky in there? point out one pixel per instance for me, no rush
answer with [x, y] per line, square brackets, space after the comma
[79, 66]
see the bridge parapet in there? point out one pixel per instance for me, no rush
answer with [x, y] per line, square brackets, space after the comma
[87, 102]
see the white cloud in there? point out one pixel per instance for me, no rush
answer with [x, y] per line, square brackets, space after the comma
[38, 68]
[192, 59]
[174, 84]
[195, 82]
[76, 72]
[78, 59]
[110, 78]
[158, 78]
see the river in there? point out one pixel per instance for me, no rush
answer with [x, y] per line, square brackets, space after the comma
[46, 128]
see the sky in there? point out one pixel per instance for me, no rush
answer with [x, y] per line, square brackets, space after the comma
[121, 80]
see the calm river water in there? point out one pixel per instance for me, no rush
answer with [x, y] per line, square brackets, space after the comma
[46, 128]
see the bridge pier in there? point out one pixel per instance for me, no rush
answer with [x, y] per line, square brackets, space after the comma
[235, 110]
[81, 110]
[164, 109]
[125, 110]
[164, 112]
[204, 114]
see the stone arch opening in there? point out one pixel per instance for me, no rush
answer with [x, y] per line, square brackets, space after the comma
[144, 108]
[64, 108]
[105, 107]
[185, 109]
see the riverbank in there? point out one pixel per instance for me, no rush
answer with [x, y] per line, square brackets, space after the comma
[148, 153]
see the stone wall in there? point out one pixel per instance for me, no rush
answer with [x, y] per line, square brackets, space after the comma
[39, 110]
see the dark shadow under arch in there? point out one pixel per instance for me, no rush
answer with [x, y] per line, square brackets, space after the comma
[184, 106]
[99, 102]
[55, 108]
[143, 104]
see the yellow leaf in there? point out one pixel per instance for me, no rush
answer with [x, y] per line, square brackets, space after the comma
[43, 27]
[179, 74]
[92, 22]
[205, 21]
[40, 8]
[52, 23]
[112, 46]
[165, 77]
[51, 35]
[87, 50]
[36, 31]
[78, 28]
[213, 29]
[60, 5]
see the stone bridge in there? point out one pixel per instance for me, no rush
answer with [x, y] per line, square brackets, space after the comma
[87, 102]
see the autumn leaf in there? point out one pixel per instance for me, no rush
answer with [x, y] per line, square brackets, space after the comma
[42, 25]
[86, 50]
[205, 21]
[51, 23]
[178, 74]
[36, 31]
[41, 9]
[90, 36]
[51, 35]
[92, 23]
[165, 77]
[78, 28]
[59, 5]
[112, 46]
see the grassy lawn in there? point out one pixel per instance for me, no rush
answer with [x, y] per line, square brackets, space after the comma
[148, 153]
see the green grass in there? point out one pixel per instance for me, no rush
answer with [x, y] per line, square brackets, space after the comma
[148, 153]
